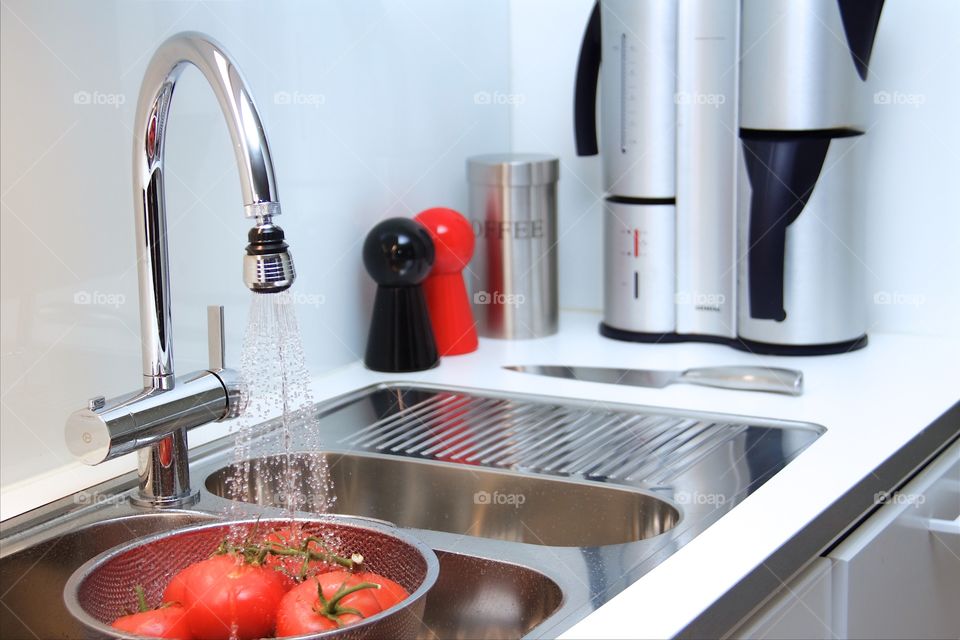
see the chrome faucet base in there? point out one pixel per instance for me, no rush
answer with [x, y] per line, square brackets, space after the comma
[164, 473]
[152, 418]
[166, 503]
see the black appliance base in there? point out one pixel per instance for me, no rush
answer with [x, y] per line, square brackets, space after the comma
[737, 343]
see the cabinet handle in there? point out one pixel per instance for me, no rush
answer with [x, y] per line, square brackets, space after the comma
[943, 526]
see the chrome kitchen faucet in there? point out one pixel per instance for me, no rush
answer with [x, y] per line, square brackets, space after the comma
[155, 420]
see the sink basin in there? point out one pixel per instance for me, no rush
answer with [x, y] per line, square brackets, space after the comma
[32, 580]
[480, 598]
[464, 499]
[474, 597]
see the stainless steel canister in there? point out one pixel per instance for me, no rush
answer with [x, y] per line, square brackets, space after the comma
[513, 274]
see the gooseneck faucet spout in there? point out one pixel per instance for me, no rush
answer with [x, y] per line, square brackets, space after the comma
[155, 420]
[257, 181]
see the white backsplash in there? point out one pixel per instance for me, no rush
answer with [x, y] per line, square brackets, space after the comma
[370, 111]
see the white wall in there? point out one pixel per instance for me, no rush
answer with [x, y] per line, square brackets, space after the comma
[909, 160]
[385, 120]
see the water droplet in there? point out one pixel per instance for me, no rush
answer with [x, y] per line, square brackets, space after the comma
[276, 457]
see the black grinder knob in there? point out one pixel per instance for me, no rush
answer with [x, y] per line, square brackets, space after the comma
[398, 254]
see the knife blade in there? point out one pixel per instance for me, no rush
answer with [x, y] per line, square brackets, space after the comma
[738, 377]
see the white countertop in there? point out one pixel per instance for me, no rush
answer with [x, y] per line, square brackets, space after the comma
[871, 401]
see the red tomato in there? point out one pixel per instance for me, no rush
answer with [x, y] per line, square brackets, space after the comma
[293, 565]
[346, 599]
[176, 589]
[165, 622]
[389, 593]
[226, 598]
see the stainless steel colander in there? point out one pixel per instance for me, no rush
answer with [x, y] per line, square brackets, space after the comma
[103, 588]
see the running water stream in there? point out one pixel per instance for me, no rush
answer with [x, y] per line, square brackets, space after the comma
[279, 420]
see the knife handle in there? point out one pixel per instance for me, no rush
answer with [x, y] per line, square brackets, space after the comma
[771, 379]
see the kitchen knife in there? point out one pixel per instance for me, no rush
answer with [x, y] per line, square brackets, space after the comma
[741, 378]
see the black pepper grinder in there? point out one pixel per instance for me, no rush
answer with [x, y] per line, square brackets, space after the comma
[398, 254]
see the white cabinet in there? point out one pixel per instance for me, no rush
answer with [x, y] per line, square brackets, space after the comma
[801, 610]
[898, 574]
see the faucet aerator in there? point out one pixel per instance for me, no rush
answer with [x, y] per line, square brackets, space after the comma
[267, 265]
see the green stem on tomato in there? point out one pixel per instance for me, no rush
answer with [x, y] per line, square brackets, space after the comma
[309, 554]
[141, 599]
[331, 608]
[253, 553]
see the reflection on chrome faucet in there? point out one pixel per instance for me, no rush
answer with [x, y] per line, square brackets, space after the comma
[155, 420]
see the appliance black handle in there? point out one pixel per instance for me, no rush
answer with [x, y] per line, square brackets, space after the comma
[860, 21]
[585, 92]
[783, 170]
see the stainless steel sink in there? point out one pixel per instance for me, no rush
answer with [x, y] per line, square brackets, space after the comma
[463, 499]
[473, 597]
[32, 579]
[540, 509]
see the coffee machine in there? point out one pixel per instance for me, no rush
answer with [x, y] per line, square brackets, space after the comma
[725, 131]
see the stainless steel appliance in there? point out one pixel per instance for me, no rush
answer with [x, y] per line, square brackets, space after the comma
[721, 122]
[802, 111]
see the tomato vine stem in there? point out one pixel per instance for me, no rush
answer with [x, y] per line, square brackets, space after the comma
[331, 608]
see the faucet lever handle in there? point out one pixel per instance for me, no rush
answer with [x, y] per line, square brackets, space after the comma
[216, 342]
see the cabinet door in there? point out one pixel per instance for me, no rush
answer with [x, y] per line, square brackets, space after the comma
[801, 609]
[898, 574]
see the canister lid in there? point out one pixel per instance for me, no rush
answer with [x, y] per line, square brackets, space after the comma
[513, 169]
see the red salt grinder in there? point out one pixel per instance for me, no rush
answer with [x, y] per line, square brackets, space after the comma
[450, 311]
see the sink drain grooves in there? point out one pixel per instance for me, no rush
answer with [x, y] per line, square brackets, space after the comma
[398, 419]
[494, 433]
[620, 447]
[543, 437]
[640, 445]
[451, 436]
[405, 439]
[517, 437]
[553, 438]
[696, 450]
[495, 425]
[660, 456]
[402, 439]
[574, 445]
[611, 441]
